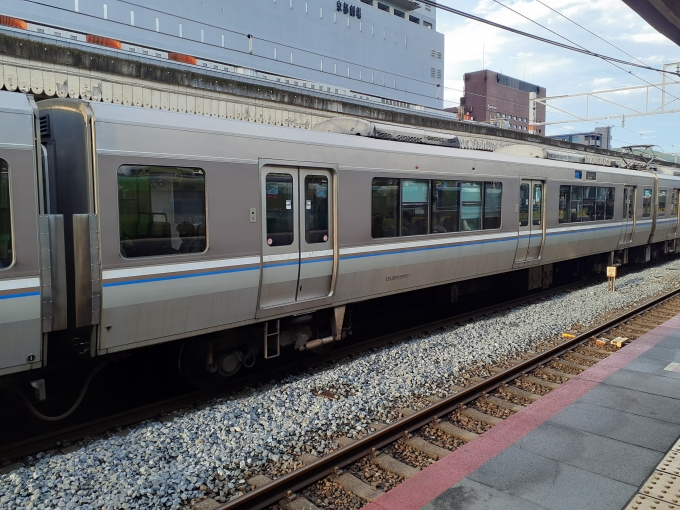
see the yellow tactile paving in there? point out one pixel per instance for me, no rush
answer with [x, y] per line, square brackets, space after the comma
[641, 502]
[676, 446]
[671, 463]
[662, 486]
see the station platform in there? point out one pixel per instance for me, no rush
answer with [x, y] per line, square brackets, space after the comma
[596, 442]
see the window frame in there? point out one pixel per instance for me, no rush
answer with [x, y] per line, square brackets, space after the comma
[569, 188]
[12, 240]
[205, 215]
[399, 206]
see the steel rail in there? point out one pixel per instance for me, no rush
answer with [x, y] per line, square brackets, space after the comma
[276, 490]
[149, 411]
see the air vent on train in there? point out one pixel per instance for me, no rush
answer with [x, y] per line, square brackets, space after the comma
[531, 151]
[352, 126]
[45, 126]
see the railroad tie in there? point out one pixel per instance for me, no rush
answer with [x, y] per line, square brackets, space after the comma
[477, 380]
[556, 373]
[449, 428]
[407, 411]
[344, 441]
[299, 503]
[595, 350]
[540, 382]
[258, 481]
[206, 504]
[307, 458]
[431, 450]
[519, 392]
[474, 414]
[569, 364]
[376, 425]
[356, 486]
[395, 466]
[584, 357]
[504, 404]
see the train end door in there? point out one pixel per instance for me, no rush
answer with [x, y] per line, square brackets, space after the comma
[530, 212]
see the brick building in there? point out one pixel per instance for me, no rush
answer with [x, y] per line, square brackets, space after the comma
[490, 95]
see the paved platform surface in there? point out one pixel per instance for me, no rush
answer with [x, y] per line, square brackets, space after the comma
[589, 444]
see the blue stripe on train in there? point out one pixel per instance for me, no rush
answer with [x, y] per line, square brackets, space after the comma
[363, 255]
[24, 294]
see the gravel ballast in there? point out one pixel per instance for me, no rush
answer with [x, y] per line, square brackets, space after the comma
[215, 450]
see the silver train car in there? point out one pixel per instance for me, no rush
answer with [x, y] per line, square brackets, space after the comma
[128, 227]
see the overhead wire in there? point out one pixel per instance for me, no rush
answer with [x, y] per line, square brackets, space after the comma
[581, 46]
[577, 48]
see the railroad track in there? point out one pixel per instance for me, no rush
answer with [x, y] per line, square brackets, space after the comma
[395, 451]
[64, 439]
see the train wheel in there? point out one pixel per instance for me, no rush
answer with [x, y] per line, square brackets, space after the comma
[193, 367]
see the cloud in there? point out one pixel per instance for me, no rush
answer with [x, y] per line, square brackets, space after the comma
[561, 71]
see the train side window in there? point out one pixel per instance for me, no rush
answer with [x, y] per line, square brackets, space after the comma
[524, 197]
[600, 204]
[316, 209]
[589, 200]
[279, 200]
[493, 194]
[471, 206]
[161, 210]
[576, 203]
[662, 202]
[384, 207]
[647, 203]
[445, 206]
[414, 207]
[6, 256]
[565, 194]
[609, 203]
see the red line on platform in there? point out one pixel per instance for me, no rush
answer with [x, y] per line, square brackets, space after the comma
[422, 488]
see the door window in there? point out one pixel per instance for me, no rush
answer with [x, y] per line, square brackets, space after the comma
[646, 203]
[628, 203]
[316, 209]
[524, 205]
[5, 217]
[538, 204]
[279, 198]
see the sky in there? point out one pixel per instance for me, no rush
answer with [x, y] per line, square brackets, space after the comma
[471, 46]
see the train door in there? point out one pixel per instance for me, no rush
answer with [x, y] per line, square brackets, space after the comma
[628, 214]
[530, 211]
[297, 248]
[316, 240]
[673, 231]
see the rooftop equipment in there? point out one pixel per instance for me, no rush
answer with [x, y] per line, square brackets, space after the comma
[360, 127]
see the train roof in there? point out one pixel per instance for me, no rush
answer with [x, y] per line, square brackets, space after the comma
[159, 119]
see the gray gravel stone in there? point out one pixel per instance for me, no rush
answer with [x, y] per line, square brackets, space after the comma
[167, 465]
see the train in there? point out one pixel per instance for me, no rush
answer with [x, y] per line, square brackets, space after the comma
[125, 227]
